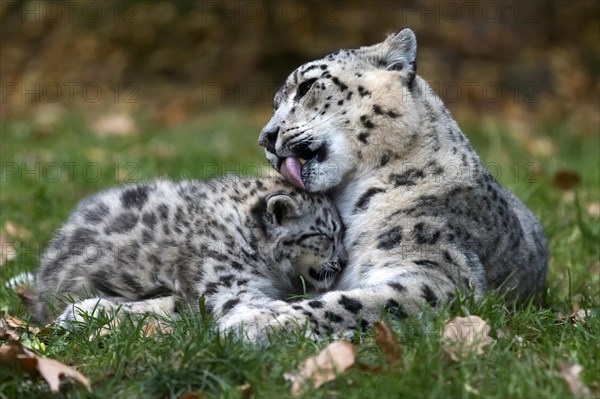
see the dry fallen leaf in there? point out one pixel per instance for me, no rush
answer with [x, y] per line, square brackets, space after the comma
[577, 315]
[53, 371]
[50, 370]
[20, 325]
[245, 391]
[570, 374]
[15, 327]
[387, 342]
[465, 335]
[334, 359]
[14, 322]
[566, 179]
[580, 315]
[6, 331]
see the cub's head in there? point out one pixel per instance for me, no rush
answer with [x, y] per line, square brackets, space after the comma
[305, 230]
[344, 114]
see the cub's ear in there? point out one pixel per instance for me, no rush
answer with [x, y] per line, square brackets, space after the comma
[399, 53]
[281, 208]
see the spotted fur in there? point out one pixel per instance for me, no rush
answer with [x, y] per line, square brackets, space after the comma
[237, 242]
[424, 217]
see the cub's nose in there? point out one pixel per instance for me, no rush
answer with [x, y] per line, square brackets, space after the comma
[268, 138]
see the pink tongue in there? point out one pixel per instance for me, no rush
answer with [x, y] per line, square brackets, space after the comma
[291, 169]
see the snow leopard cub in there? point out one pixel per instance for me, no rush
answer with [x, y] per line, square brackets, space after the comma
[238, 242]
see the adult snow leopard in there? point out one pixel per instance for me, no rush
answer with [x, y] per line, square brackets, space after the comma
[423, 216]
[239, 242]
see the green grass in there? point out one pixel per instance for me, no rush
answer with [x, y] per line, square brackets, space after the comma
[523, 362]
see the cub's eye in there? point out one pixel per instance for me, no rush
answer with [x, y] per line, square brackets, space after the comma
[303, 88]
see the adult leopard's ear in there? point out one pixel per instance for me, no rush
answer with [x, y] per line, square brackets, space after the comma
[281, 208]
[399, 53]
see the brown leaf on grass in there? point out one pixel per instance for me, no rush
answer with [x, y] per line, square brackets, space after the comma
[334, 359]
[570, 374]
[566, 179]
[52, 371]
[20, 325]
[576, 315]
[245, 391]
[387, 343]
[115, 125]
[6, 331]
[14, 322]
[15, 327]
[465, 335]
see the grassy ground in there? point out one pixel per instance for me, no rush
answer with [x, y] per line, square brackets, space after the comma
[44, 173]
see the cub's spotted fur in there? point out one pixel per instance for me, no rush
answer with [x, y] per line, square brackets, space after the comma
[238, 242]
[423, 215]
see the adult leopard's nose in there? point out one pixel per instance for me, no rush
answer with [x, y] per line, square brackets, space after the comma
[268, 138]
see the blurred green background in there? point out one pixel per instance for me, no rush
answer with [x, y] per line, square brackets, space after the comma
[523, 62]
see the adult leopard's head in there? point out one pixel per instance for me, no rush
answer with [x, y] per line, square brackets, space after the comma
[344, 114]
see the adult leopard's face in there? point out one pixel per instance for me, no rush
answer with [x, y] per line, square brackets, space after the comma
[333, 118]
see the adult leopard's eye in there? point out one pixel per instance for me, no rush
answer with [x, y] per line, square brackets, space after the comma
[303, 88]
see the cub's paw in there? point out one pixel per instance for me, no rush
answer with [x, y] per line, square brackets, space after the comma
[78, 312]
[255, 324]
